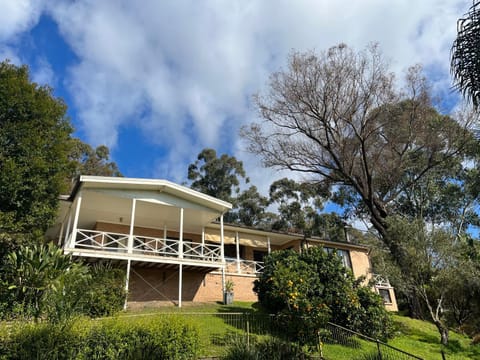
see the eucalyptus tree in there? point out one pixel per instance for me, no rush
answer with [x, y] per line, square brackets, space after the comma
[87, 160]
[250, 209]
[339, 118]
[298, 205]
[218, 177]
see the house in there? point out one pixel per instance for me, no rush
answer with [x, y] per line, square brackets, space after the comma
[173, 243]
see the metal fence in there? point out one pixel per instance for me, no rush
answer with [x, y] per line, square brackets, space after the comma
[337, 338]
[334, 341]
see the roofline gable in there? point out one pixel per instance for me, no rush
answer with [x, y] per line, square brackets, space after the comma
[88, 181]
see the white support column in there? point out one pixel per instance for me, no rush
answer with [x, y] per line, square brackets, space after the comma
[180, 285]
[269, 248]
[127, 280]
[165, 232]
[132, 225]
[180, 236]
[222, 253]
[237, 248]
[222, 250]
[203, 240]
[75, 220]
[65, 241]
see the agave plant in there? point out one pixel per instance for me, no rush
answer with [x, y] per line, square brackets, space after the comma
[39, 270]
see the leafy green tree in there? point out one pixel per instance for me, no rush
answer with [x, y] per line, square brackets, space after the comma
[435, 264]
[86, 160]
[251, 209]
[298, 205]
[309, 288]
[216, 176]
[34, 149]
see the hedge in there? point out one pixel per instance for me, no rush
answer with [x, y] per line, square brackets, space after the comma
[116, 338]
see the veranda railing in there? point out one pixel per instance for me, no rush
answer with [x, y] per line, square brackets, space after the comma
[145, 245]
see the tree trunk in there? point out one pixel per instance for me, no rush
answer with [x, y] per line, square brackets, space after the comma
[443, 330]
[436, 316]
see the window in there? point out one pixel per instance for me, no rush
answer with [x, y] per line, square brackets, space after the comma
[230, 251]
[385, 294]
[344, 255]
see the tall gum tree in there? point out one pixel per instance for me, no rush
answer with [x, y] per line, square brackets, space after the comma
[339, 117]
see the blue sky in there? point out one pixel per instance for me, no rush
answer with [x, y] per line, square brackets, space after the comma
[160, 81]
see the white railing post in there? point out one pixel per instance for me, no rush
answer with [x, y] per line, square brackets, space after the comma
[222, 253]
[237, 248]
[75, 220]
[132, 224]
[164, 242]
[222, 250]
[180, 236]
[203, 240]
[269, 249]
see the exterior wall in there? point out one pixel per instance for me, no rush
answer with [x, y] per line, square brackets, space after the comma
[151, 286]
[390, 306]
[243, 288]
[360, 264]
[212, 288]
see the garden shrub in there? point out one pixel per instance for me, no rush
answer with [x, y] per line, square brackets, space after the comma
[105, 294]
[39, 341]
[147, 338]
[40, 282]
[310, 288]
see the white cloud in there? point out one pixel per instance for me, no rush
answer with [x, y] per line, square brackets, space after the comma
[184, 71]
[17, 16]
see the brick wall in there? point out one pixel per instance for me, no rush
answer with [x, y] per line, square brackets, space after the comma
[151, 285]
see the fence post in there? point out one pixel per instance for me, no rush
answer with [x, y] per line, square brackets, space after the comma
[248, 333]
[378, 348]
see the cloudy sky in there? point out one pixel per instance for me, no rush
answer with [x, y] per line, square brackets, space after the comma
[157, 81]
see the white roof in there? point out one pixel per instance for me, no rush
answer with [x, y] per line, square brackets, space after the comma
[164, 186]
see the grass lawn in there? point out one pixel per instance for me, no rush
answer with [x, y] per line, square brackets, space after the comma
[422, 339]
[218, 324]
